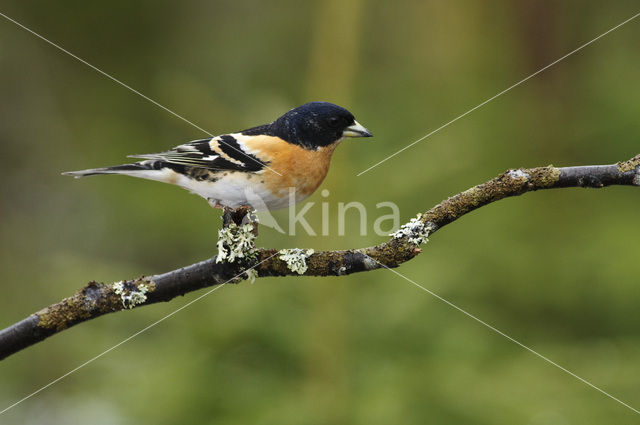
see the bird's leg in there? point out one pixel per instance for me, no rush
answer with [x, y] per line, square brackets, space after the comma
[240, 216]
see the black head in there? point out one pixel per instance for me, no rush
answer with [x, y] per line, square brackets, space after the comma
[314, 125]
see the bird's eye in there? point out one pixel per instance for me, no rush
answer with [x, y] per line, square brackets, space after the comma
[334, 121]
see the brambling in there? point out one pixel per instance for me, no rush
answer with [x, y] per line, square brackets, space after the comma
[255, 167]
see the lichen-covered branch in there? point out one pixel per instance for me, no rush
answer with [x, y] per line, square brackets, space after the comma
[241, 260]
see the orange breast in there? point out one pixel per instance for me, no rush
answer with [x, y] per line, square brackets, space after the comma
[300, 168]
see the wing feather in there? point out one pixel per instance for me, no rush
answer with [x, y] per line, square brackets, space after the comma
[218, 153]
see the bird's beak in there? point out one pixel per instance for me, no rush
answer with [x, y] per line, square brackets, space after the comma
[356, 130]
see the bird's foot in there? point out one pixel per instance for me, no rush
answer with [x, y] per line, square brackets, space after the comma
[239, 216]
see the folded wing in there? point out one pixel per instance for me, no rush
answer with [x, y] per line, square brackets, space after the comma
[218, 153]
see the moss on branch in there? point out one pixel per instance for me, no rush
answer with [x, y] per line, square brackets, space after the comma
[238, 235]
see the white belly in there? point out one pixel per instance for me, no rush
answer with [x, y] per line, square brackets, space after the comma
[237, 190]
[233, 190]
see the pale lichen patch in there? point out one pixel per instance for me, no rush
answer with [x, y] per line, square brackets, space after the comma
[518, 174]
[131, 294]
[251, 274]
[416, 231]
[629, 165]
[636, 178]
[235, 242]
[296, 259]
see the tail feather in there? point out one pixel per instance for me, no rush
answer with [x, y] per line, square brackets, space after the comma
[126, 169]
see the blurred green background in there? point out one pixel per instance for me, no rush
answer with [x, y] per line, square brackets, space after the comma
[557, 270]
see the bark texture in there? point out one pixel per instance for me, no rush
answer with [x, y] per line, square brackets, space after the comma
[96, 299]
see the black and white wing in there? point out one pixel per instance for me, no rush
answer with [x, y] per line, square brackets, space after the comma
[200, 160]
[219, 153]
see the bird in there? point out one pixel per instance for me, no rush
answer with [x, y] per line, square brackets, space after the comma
[267, 167]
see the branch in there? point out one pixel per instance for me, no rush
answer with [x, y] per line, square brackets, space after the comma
[96, 299]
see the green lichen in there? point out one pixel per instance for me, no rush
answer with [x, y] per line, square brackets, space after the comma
[251, 275]
[235, 242]
[296, 259]
[131, 294]
[416, 231]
